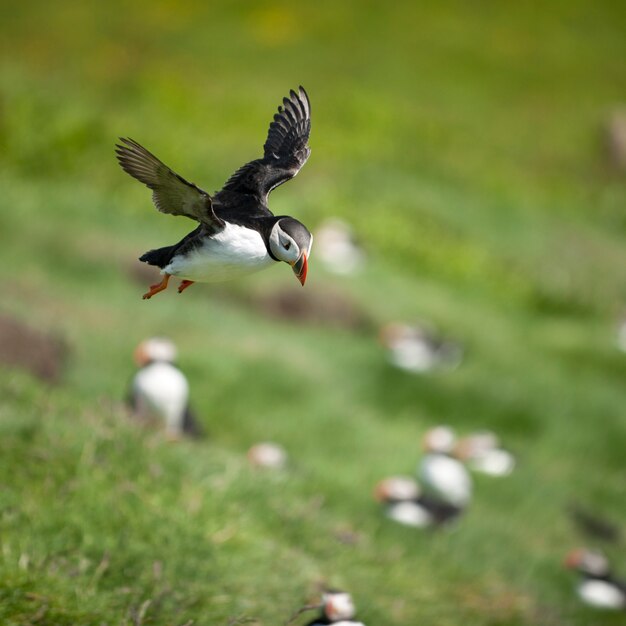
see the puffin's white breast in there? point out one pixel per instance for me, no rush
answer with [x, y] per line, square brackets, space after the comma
[446, 479]
[234, 251]
[601, 594]
[410, 514]
[161, 391]
[496, 462]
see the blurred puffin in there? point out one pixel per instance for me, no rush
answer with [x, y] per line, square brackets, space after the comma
[598, 587]
[406, 504]
[416, 349]
[337, 249]
[160, 390]
[237, 233]
[444, 478]
[337, 608]
[481, 452]
[267, 454]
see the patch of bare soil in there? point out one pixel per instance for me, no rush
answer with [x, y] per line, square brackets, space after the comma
[322, 307]
[27, 348]
[329, 308]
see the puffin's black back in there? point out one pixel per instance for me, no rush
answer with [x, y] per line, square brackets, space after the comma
[191, 426]
[319, 621]
[161, 257]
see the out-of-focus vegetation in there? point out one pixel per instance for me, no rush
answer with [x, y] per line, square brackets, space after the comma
[464, 143]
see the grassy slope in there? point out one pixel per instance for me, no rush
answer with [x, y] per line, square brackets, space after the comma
[463, 146]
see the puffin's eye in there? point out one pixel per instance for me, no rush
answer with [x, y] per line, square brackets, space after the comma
[288, 245]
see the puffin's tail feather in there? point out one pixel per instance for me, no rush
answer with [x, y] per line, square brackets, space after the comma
[159, 257]
[191, 425]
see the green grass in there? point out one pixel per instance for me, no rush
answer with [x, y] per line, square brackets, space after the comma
[464, 144]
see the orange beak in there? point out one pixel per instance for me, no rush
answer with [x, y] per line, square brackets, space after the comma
[300, 268]
[572, 560]
[380, 492]
[329, 609]
[139, 355]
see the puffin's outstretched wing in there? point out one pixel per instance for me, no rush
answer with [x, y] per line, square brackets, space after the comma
[285, 151]
[171, 193]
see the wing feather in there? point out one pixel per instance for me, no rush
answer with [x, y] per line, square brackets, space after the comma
[285, 150]
[171, 193]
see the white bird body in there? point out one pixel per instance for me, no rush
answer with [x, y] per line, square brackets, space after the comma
[410, 513]
[601, 594]
[446, 479]
[496, 462]
[482, 453]
[406, 504]
[267, 454]
[416, 356]
[598, 587]
[338, 609]
[416, 349]
[161, 391]
[237, 233]
[336, 247]
[234, 251]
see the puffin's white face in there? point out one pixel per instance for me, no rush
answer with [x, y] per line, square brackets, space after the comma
[155, 349]
[283, 245]
[439, 439]
[338, 606]
[588, 562]
[397, 488]
[478, 445]
[291, 242]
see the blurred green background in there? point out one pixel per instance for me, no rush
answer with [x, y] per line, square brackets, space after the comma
[466, 144]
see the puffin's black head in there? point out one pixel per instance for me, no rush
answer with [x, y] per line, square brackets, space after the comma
[290, 241]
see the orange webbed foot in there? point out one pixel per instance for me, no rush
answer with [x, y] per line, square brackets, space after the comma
[156, 288]
[184, 284]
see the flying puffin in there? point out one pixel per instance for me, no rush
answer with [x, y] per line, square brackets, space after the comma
[160, 390]
[237, 233]
[598, 587]
[337, 608]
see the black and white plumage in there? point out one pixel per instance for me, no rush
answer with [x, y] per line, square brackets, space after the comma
[160, 391]
[443, 477]
[481, 452]
[597, 587]
[416, 348]
[337, 608]
[237, 233]
[406, 504]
